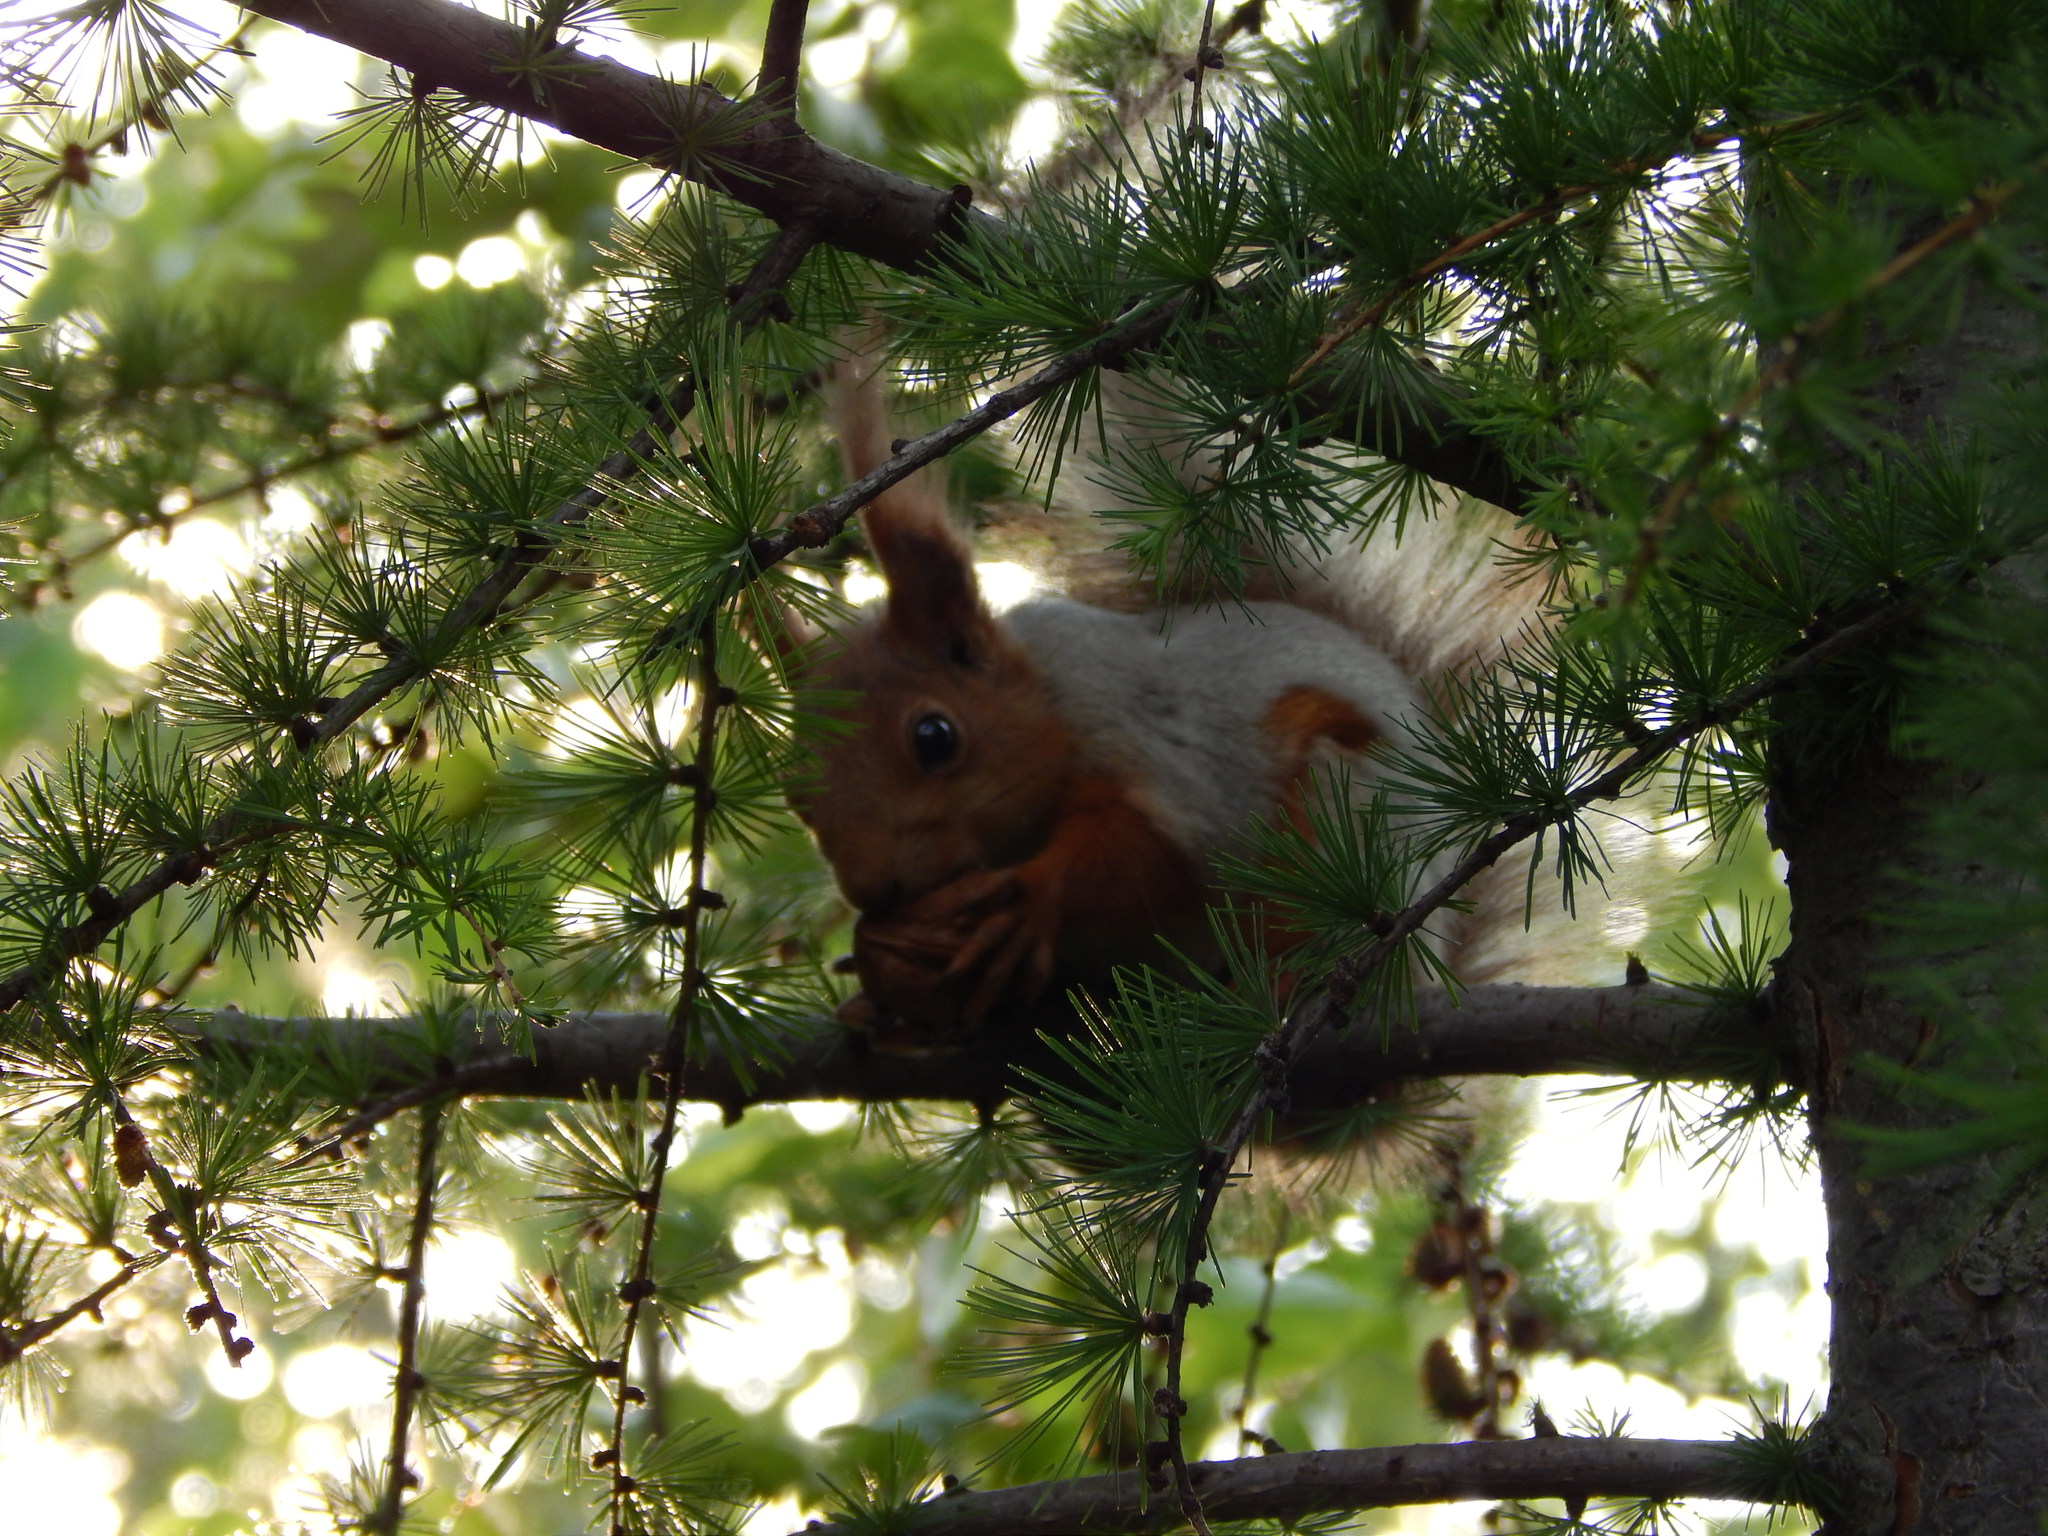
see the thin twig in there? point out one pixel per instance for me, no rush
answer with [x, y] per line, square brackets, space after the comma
[820, 523]
[1349, 975]
[750, 303]
[654, 1383]
[1205, 52]
[1475, 1250]
[256, 482]
[18, 1341]
[174, 1207]
[1171, 1407]
[639, 1285]
[1443, 261]
[174, 990]
[1260, 1331]
[500, 974]
[406, 1383]
[446, 1085]
[201, 1263]
[74, 165]
[1703, 139]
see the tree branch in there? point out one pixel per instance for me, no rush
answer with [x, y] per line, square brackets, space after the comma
[639, 1286]
[818, 524]
[1653, 1032]
[17, 1342]
[782, 52]
[473, 1077]
[1289, 1487]
[381, 435]
[1424, 434]
[744, 152]
[75, 163]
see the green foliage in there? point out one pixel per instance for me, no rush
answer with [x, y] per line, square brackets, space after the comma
[1070, 1335]
[1337, 878]
[876, 1499]
[1777, 1457]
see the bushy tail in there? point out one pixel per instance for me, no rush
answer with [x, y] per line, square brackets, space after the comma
[1445, 593]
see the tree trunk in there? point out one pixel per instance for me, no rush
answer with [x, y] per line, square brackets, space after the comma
[1937, 1415]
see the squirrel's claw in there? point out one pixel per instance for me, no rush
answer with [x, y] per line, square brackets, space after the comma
[1009, 956]
[949, 958]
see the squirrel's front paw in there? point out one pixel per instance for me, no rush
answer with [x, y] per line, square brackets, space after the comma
[946, 959]
[902, 960]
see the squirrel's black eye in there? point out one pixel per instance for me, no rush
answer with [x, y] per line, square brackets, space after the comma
[935, 740]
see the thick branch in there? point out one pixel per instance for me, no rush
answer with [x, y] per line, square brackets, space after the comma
[1650, 1031]
[1289, 1487]
[746, 153]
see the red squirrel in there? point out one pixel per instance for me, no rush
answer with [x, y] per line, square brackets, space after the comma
[1019, 802]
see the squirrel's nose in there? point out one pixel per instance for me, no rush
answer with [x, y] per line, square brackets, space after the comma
[880, 901]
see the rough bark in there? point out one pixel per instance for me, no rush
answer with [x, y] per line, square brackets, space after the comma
[1936, 1420]
[1938, 1356]
[1652, 1032]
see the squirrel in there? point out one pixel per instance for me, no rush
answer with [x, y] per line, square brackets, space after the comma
[1019, 803]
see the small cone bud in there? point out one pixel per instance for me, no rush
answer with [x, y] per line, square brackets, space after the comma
[131, 1155]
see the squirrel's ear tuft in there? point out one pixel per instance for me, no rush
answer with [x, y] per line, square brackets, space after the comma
[935, 606]
[934, 601]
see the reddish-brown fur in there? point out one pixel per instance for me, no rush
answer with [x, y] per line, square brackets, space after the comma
[1302, 720]
[893, 830]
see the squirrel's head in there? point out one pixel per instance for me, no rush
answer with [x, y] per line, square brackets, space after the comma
[949, 755]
